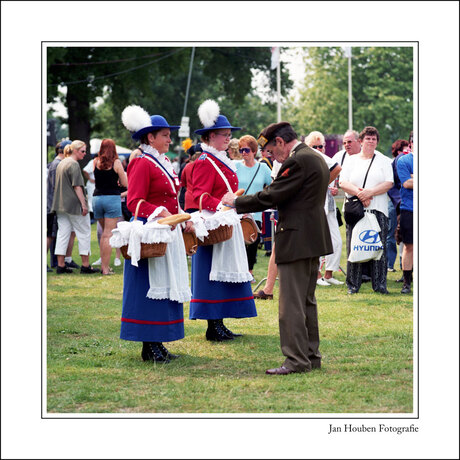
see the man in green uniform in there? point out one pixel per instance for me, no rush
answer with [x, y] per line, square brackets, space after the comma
[302, 236]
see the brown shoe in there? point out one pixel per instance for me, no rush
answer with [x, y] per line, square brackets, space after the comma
[315, 363]
[261, 295]
[279, 371]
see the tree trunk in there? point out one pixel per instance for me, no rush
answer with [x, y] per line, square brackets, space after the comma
[79, 122]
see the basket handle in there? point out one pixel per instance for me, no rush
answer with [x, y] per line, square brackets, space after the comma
[201, 200]
[137, 208]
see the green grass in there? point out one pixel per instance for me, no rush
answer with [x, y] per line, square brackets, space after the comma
[366, 342]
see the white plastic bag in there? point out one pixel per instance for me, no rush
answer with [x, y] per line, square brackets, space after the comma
[365, 240]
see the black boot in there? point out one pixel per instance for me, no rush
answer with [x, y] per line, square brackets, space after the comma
[226, 330]
[166, 352]
[151, 351]
[405, 289]
[214, 333]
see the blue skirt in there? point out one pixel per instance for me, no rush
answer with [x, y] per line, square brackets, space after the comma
[144, 319]
[216, 299]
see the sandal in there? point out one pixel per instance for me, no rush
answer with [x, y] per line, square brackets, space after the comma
[110, 272]
[262, 295]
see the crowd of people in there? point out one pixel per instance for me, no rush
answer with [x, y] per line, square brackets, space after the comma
[295, 178]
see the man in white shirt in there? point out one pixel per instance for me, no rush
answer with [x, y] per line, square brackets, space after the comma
[351, 145]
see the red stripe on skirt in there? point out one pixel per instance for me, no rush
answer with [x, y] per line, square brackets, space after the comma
[159, 323]
[219, 301]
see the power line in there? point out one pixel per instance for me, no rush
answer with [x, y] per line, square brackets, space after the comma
[68, 64]
[90, 79]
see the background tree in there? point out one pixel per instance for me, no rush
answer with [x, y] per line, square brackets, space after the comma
[251, 115]
[154, 78]
[382, 81]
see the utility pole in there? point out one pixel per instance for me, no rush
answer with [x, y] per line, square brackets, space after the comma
[188, 81]
[184, 130]
[350, 107]
[278, 88]
[276, 64]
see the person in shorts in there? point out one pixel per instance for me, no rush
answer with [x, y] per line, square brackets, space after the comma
[108, 173]
[405, 167]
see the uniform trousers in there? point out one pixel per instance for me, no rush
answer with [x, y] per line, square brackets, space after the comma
[298, 315]
[333, 260]
[378, 268]
[68, 223]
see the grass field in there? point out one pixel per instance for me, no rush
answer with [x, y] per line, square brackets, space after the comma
[366, 342]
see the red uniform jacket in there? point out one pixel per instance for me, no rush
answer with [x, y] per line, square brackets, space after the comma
[207, 179]
[149, 181]
[186, 182]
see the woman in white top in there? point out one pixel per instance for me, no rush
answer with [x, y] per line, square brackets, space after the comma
[374, 198]
[316, 141]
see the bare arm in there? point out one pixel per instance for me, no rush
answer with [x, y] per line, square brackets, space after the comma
[121, 173]
[367, 193]
[79, 191]
[334, 173]
[134, 154]
[348, 187]
[409, 183]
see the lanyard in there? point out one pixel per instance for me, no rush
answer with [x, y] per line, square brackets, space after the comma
[172, 179]
[252, 180]
[168, 176]
[221, 174]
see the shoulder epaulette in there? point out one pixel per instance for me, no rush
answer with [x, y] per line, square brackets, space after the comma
[203, 156]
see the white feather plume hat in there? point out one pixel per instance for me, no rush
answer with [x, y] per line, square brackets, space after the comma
[139, 122]
[209, 115]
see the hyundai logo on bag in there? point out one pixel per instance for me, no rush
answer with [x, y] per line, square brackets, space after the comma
[369, 237]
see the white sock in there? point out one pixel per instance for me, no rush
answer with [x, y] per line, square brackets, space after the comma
[68, 259]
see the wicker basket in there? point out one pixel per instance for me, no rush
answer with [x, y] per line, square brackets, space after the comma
[190, 242]
[250, 230]
[148, 250]
[218, 235]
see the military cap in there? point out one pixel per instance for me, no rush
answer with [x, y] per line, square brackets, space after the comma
[269, 133]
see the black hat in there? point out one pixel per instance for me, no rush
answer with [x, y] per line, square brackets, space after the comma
[194, 149]
[269, 133]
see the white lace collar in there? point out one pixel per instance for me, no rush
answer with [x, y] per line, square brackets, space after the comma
[221, 155]
[161, 157]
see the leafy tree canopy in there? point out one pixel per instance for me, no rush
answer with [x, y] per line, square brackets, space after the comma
[382, 92]
[156, 79]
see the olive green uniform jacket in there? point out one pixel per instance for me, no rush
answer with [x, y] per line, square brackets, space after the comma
[298, 192]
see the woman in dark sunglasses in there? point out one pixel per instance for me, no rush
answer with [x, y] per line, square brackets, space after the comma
[330, 262]
[252, 177]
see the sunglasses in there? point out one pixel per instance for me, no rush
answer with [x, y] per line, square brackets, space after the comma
[245, 150]
[318, 146]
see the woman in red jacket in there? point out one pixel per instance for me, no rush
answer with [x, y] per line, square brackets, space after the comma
[186, 180]
[213, 175]
[151, 314]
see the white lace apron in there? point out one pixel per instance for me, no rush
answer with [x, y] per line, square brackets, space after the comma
[229, 259]
[168, 275]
